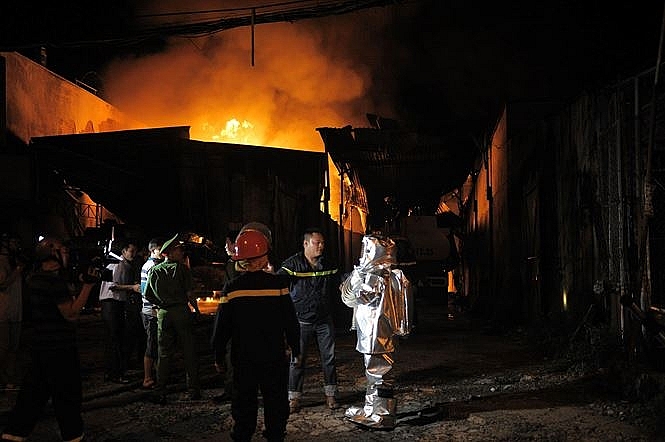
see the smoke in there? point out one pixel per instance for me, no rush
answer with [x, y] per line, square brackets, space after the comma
[309, 74]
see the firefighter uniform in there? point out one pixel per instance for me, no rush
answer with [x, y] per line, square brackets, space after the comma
[258, 317]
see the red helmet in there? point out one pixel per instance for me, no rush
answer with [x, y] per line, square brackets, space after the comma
[250, 244]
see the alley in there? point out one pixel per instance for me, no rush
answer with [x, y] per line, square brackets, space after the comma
[454, 382]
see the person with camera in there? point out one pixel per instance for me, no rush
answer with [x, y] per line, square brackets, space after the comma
[54, 303]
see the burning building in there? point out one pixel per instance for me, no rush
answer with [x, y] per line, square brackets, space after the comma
[60, 139]
[73, 163]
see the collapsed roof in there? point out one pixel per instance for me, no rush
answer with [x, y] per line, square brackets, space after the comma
[414, 169]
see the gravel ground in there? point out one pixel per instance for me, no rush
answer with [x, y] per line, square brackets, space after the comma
[454, 381]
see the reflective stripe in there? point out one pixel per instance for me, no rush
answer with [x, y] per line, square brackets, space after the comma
[308, 274]
[249, 292]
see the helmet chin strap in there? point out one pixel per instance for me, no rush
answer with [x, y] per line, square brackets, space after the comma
[253, 264]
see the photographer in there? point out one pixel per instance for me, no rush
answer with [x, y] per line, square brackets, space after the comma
[55, 372]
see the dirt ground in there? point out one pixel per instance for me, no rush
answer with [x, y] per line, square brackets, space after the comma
[454, 381]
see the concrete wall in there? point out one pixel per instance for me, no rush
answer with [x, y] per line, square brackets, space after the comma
[41, 103]
[36, 102]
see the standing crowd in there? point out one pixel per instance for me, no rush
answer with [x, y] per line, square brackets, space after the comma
[267, 318]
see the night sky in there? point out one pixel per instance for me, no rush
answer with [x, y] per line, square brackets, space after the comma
[443, 64]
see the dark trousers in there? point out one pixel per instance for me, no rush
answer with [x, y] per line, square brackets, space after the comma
[272, 380]
[175, 326]
[53, 374]
[10, 349]
[135, 336]
[228, 376]
[113, 314]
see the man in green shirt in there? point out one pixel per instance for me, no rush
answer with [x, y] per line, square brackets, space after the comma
[169, 288]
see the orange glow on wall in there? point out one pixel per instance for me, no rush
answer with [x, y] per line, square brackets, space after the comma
[41, 103]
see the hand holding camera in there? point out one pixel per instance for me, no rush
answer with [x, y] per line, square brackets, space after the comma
[92, 276]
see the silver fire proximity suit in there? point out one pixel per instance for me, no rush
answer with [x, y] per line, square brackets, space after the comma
[382, 304]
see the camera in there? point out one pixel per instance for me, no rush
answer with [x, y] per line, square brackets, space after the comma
[96, 271]
[89, 266]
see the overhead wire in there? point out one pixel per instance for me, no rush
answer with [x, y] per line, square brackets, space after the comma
[223, 19]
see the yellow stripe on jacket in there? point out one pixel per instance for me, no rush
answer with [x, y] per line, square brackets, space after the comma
[249, 292]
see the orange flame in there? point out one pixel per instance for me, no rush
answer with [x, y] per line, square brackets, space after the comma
[234, 132]
[280, 101]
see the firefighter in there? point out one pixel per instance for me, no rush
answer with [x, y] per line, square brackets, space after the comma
[258, 317]
[381, 298]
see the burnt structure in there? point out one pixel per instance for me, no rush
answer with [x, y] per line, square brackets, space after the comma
[160, 179]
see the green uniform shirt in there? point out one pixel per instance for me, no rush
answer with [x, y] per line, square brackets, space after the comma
[168, 284]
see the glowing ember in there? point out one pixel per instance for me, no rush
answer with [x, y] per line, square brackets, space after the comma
[208, 305]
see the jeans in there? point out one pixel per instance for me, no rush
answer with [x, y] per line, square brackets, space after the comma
[324, 332]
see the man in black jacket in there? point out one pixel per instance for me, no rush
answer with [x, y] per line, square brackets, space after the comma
[314, 283]
[258, 317]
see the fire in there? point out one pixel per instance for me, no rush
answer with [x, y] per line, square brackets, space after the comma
[237, 130]
[213, 88]
[208, 84]
[234, 132]
[208, 305]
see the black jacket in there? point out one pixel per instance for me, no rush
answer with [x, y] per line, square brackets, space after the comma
[312, 289]
[258, 316]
